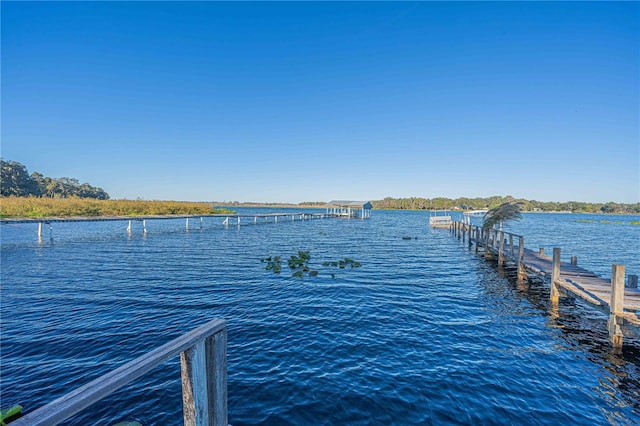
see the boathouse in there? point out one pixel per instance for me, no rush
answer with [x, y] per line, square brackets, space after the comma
[349, 209]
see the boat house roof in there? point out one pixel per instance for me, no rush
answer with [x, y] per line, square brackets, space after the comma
[347, 203]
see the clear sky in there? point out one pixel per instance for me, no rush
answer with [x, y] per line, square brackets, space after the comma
[302, 101]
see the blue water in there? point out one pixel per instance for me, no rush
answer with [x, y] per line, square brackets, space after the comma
[424, 332]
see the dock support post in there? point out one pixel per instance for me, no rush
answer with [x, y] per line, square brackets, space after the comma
[201, 221]
[511, 249]
[555, 275]
[574, 260]
[487, 240]
[541, 251]
[144, 226]
[39, 231]
[633, 281]
[204, 382]
[520, 272]
[477, 232]
[275, 219]
[501, 249]
[238, 220]
[187, 224]
[129, 227]
[616, 305]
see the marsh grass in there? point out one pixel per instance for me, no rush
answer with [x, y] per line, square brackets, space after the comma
[32, 207]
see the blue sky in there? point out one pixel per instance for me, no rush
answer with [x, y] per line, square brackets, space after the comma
[302, 101]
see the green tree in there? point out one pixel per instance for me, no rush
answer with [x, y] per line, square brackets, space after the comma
[15, 180]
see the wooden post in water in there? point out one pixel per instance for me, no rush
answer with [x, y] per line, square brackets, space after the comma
[511, 245]
[574, 260]
[187, 225]
[633, 281]
[541, 251]
[616, 305]
[520, 272]
[487, 240]
[144, 226]
[501, 249]
[40, 231]
[477, 237]
[555, 275]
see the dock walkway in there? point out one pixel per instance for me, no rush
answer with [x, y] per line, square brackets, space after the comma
[229, 219]
[611, 297]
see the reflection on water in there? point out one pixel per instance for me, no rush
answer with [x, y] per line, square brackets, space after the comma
[424, 332]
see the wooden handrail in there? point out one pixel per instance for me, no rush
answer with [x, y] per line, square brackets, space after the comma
[210, 336]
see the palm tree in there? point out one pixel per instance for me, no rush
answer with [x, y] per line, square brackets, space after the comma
[504, 212]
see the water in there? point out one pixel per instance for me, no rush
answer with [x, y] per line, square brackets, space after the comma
[424, 332]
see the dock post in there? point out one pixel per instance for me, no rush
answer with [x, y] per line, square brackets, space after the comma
[477, 237]
[39, 231]
[129, 227]
[616, 305]
[470, 235]
[187, 224]
[201, 223]
[275, 219]
[487, 241]
[574, 260]
[238, 220]
[204, 381]
[511, 244]
[521, 273]
[541, 251]
[555, 275]
[501, 249]
[633, 281]
[144, 226]
[255, 219]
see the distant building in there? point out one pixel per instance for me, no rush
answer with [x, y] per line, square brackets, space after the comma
[349, 209]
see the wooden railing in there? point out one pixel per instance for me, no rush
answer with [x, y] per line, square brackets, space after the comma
[203, 359]
[494, 241]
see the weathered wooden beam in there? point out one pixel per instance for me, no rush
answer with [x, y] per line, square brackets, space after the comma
[521, 273]
[204, 382]
[616, 306]
[501, 249]
[555, 275]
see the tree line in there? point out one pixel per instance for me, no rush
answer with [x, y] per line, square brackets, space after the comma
[16, 181]
[462, 203]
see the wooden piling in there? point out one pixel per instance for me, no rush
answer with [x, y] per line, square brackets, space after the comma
[541, 251]
[501, 249]
[511, 244]
[555, 275]
[616, 305]
[520, 272]
[574, 260]
[633, 281]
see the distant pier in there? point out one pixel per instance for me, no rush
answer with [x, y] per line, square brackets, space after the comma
[612, 297]
[196, 221]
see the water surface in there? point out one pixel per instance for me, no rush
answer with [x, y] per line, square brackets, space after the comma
[424, 332]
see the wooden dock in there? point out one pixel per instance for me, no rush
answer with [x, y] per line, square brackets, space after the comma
[191, 221]
[612, 297]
